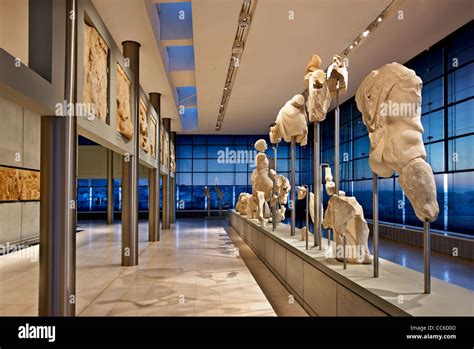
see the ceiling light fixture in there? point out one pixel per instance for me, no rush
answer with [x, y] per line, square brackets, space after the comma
[245, 18]
[370, 29]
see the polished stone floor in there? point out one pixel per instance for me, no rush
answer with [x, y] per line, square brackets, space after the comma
[196, 270]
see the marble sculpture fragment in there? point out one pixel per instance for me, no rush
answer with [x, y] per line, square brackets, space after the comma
[390, 101]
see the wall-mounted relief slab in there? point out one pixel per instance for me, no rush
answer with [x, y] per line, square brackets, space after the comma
[96, 79]
[148, 141]
[172, 158]
[124, 110]
[153, 138]
[19, 185]
[104, 80]
[144, 138]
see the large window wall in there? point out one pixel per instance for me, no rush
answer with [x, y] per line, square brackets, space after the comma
[447, 71]
[225, 161]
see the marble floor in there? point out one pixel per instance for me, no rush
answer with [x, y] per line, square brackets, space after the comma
[195, 270]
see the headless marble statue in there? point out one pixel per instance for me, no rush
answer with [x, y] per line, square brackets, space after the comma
[319, 96]
[346, 217]
[390, 101]
[262, 183]
[291, 122]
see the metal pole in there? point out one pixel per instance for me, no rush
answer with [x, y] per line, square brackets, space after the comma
[154, 228]
[336, 141]
[329, 237]
[317, 186]
[375, 224]
[293, 189]
[110, 186]
[274, 191]
[307, 217]
[427, 255]
[57, 256]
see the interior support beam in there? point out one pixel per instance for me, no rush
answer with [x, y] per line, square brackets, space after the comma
[57, 260]
[131, 51]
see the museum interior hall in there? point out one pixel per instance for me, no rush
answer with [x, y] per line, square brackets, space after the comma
[249, 158]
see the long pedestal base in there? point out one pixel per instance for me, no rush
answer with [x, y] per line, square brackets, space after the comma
[324, 288]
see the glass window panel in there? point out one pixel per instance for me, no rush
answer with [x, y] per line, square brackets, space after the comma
[461, 118]
[460, 202]
[199, 179]
[184, 152]
[184, 178]
[199, 139]
[432, 95]
[433, 126]
[435, 156]
[461, 83]
[199, 199]
[199, 151]
[184, 197]
[199, 165]
[183, 139]
[363, 194]
[184, 165]
[359, 128]
[460, 153]
[219, 179]
[361, 147]
[386, 199]
[362, 169]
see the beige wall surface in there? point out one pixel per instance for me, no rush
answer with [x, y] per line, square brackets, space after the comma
[20, 135]
[14, 28]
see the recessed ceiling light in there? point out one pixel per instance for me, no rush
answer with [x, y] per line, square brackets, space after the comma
[366, 33]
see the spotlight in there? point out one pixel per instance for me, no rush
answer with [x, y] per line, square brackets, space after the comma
[366, 33]
[379, 19]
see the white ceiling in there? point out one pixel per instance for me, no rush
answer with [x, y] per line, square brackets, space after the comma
[138, 20]
[278, 49]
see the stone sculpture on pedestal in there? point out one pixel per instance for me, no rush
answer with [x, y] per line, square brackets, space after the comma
[345, 216]
[291, 122]
[242, 203]
[96, 60]
[262, 180]
[337, 73]
[124, 116]
[390, 101]
[319, 96]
